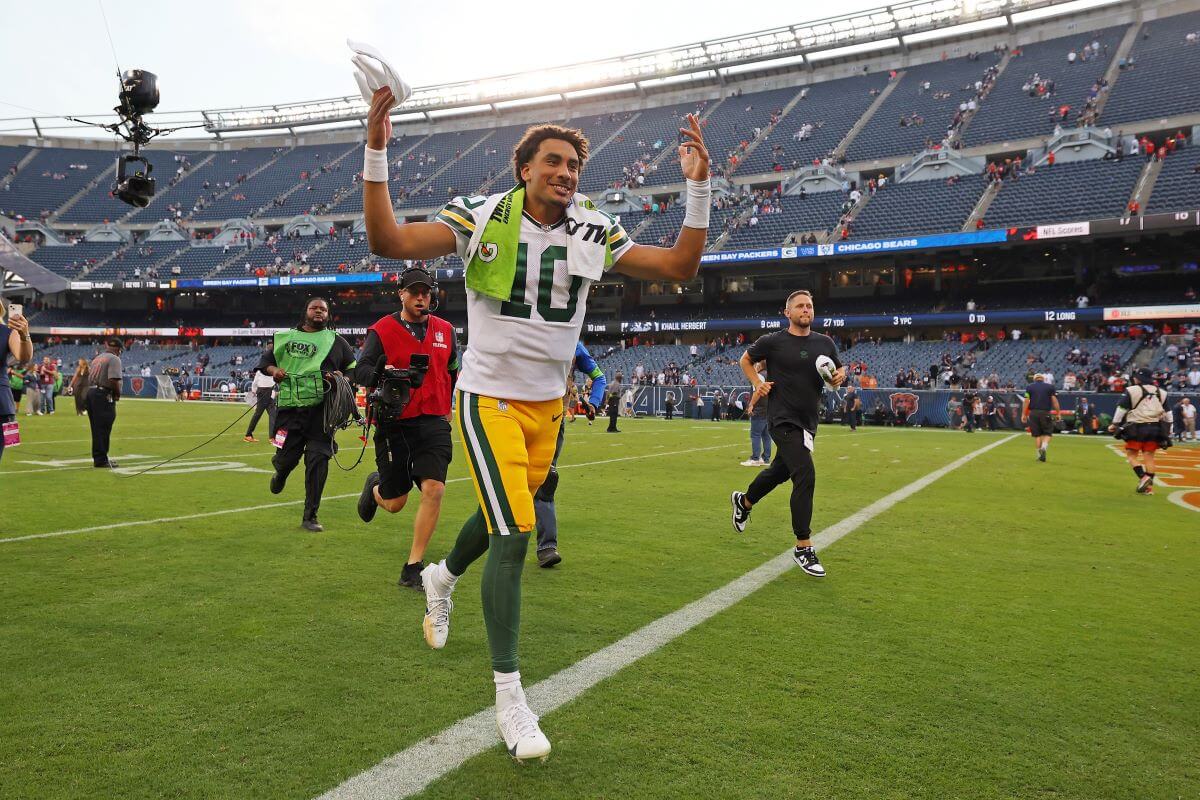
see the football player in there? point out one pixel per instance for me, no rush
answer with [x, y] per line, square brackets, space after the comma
[531, 254]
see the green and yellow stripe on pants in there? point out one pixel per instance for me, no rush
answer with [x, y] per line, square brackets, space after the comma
[509, 445]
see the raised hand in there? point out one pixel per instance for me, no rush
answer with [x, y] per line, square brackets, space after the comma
[379, 120]
[693, 155]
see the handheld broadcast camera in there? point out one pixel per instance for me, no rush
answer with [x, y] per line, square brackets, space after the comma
[393, 387]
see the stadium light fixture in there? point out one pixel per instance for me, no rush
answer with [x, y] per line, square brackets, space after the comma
[800, 40]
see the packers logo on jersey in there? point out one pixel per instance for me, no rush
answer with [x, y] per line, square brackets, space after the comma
[488, 251]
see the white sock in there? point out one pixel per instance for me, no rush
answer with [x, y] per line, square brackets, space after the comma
[506, 682]
[445, 577]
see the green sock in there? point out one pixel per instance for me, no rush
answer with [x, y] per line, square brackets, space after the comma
[472, 542]
[502, 598]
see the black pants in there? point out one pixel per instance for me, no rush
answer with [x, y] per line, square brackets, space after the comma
[792, 461]
[969, 421]
[305, 437]
[262, 404]
[102, 413]
[612, 418]
[543, 500]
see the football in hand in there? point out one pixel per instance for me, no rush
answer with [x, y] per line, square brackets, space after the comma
[826, 369]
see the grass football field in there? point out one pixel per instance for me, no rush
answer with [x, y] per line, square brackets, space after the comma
[1010, 630]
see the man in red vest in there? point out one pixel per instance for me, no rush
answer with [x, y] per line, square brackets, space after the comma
[414, 447]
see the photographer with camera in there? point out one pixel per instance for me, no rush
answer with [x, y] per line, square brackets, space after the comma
[16, 344]
[1143, 421]
[302, 361]
[410, 359]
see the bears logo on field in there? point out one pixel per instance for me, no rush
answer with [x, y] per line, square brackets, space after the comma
[1178, 472]
[904, 402]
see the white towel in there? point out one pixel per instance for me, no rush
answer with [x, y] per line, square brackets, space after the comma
[374, 72]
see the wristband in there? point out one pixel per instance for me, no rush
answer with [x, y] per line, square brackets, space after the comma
[375, 165]
[698, 205]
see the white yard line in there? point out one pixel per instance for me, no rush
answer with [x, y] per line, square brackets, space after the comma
[416, 767]
[282, 504]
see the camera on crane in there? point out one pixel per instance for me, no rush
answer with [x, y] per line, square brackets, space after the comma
[138, 96]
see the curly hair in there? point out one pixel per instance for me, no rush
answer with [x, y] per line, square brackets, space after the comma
[526, 148]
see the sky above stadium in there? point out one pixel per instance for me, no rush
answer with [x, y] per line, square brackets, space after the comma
[220, 53]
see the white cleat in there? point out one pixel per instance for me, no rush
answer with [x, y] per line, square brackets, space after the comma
[518, 726]
[437, 609]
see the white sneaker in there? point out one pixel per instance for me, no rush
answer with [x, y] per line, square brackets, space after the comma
[751, 462]
[438, 606]
[518, 726]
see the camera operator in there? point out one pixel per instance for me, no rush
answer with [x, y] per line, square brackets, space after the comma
[299, 360]
[1143, 420]
[15, 343]
[412, 444]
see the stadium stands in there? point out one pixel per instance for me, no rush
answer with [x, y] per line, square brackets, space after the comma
[1015, 362]
[132, 262]
[10, 156]
[919, 207]
[925, 113]
[427, 158]
[884, 360]
[52, 177]
[831, 108]
[195, 262]
[99, 204]
[206, 180]
[1159, 82]
[652, 131]
[288, 171]
[814, 212]
[1014, 109]
[1066, 192]
[1178, 185]
[491, 159]
[70, 260]
[730, 123]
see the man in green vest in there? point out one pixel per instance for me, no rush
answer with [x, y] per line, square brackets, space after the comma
[299, 360]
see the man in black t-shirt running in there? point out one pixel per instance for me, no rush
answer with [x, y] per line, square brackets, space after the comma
[1039, 409]
[795, 390]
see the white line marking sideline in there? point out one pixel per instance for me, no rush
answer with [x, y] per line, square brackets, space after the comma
[136, 523]
[414, 768]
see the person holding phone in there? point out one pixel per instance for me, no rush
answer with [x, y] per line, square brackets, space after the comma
[15, 343]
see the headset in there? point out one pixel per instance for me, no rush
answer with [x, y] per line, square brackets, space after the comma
[433, 286]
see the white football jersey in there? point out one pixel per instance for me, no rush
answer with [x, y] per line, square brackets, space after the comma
[522, 348]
